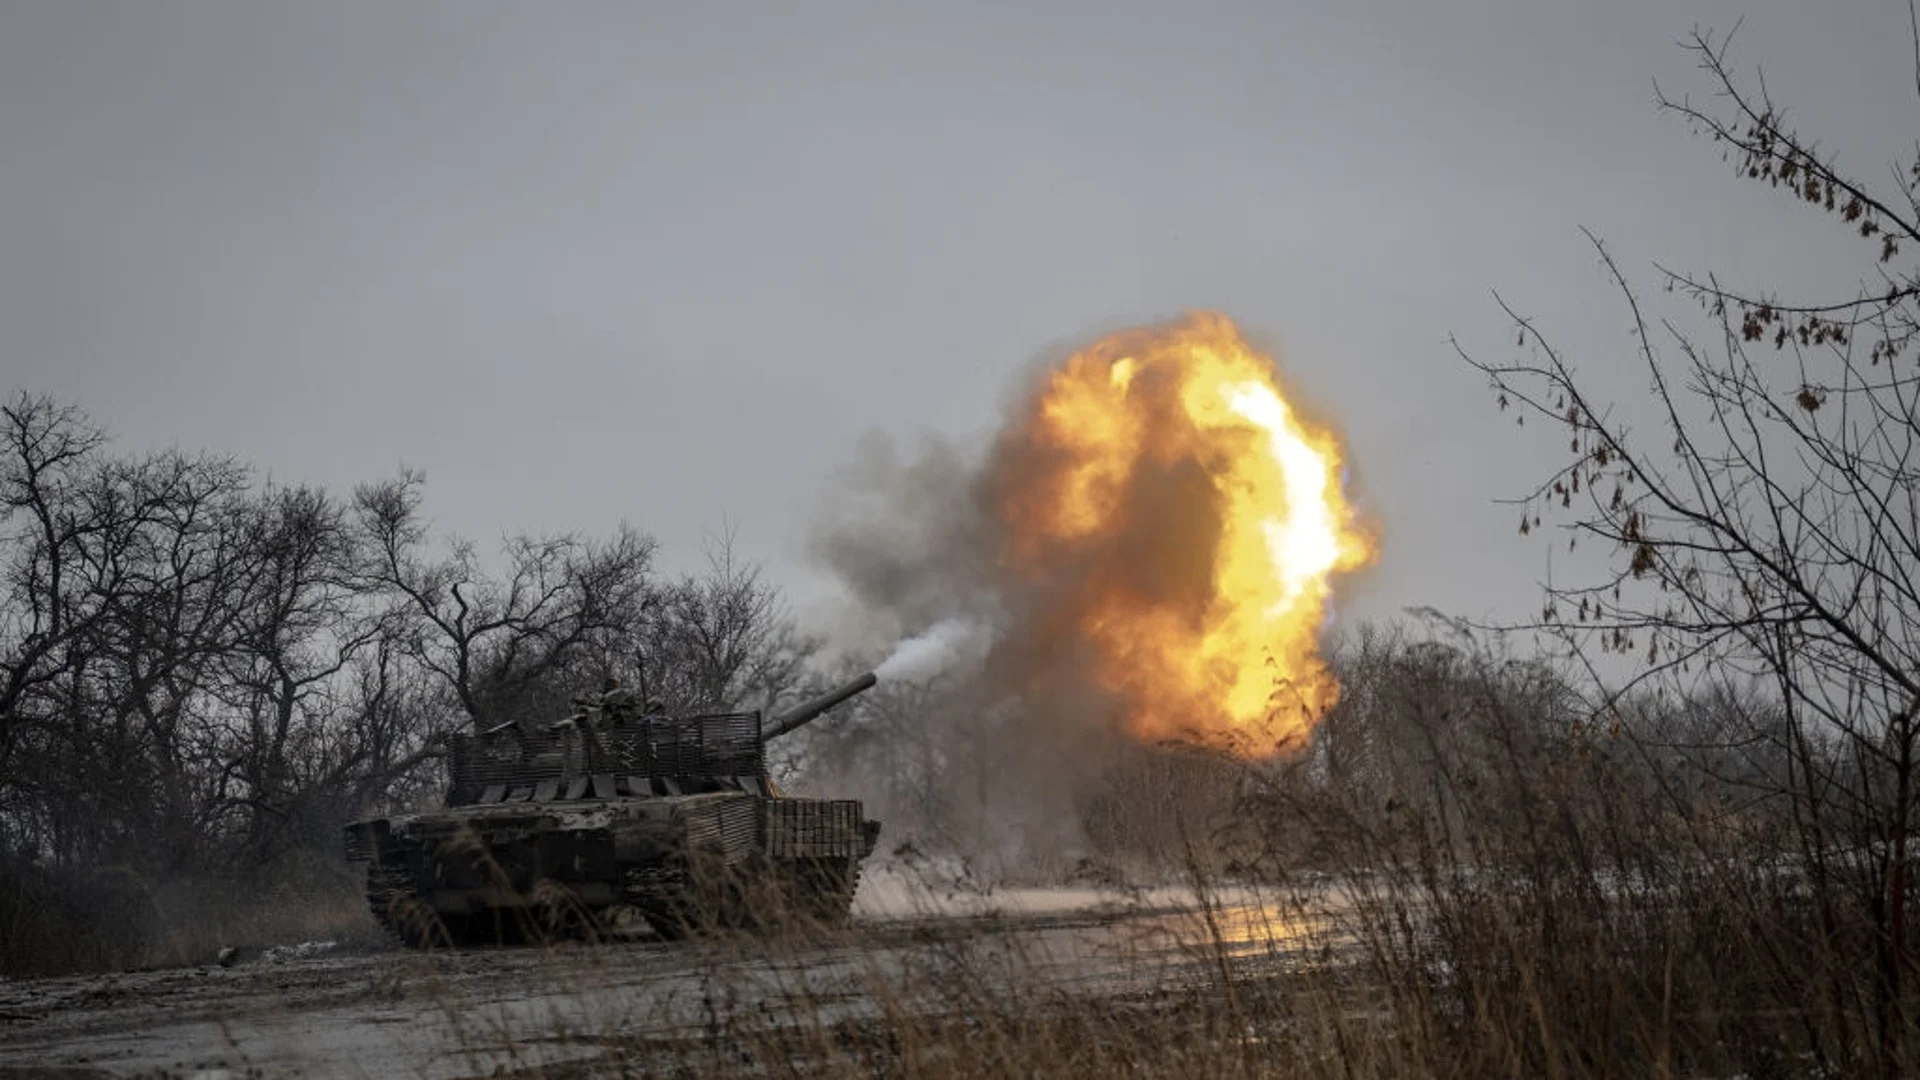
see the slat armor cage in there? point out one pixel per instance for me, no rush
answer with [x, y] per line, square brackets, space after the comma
[812, 828]
[716, 746]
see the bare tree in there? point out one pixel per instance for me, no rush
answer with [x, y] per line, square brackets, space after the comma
[1769, 528]
[306, 619]
[496, 642]
[49, 453]
[123, 590]
[723, 639]
[201, 674]
[185, 659]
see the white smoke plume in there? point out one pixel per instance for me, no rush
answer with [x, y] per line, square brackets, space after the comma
[940, 648]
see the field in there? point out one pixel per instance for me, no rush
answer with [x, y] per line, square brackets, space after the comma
[1710, 970]
[970, 981]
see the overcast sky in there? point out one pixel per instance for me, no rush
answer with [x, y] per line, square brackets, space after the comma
[588, 262]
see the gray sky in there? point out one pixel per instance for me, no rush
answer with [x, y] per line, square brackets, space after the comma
[584, 262]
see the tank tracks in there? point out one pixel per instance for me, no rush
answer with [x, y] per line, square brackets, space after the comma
[676, 903]
[398, 908]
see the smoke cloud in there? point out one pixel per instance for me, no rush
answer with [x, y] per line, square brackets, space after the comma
[996, 733]
[947, 645]
[955, 750]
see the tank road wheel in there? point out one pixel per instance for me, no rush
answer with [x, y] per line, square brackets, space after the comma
[667, 897]
[671, 919]
[400, 911]
[557, 914]
[490, 926]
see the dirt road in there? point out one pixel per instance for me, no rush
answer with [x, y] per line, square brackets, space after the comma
[383, 1012]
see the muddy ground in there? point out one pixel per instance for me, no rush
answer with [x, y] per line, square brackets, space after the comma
[378, 1011]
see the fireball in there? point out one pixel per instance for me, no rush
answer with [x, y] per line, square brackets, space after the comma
[1188, 524]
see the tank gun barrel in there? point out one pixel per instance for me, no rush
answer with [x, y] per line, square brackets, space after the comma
[808, 712]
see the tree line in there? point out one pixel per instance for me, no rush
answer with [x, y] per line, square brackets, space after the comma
[202, 670]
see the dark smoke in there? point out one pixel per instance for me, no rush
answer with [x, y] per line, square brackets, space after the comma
[903, 533]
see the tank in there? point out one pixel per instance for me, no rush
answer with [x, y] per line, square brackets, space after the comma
[555, 830]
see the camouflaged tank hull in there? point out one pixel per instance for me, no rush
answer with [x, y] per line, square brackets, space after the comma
[556, 833]
[511, 871]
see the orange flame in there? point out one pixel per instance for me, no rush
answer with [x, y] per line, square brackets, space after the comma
[1188, 524]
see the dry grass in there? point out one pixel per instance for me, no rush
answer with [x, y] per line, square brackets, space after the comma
[1486, 892]
[1569, 949]
[59, 921]
[1390, 973]
[1536, 905]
